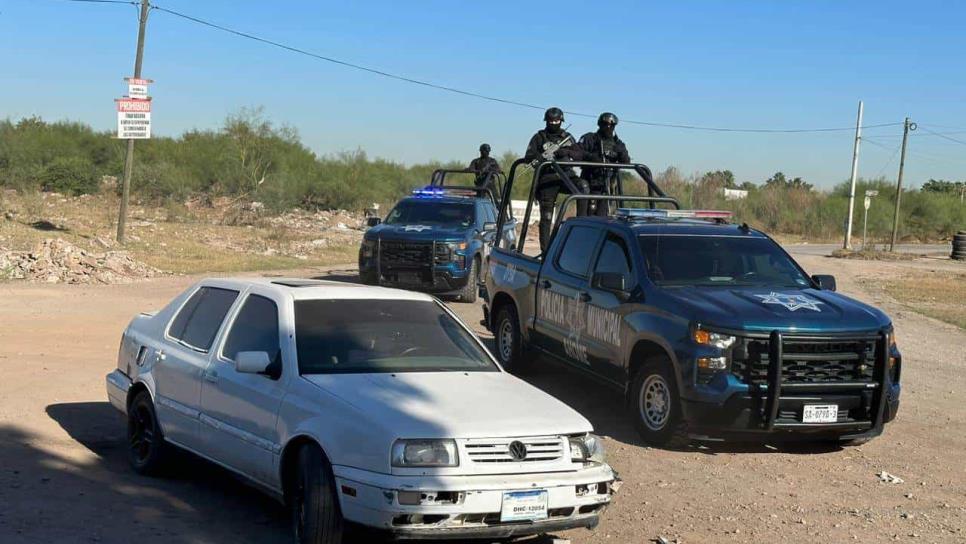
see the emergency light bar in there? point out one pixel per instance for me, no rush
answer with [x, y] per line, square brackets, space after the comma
[431, 191]
[645, 213]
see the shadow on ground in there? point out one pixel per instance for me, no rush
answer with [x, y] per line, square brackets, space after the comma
[96, 497]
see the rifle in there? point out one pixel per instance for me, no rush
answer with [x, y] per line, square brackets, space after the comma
[548, 154]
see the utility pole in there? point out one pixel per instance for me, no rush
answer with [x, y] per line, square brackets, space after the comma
[855, 172]
[906, 127]
[129, 159]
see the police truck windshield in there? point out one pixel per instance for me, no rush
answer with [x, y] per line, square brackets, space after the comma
[726, 261]
[379, 336]
[431, 212]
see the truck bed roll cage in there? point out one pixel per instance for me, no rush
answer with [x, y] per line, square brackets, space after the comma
[655, 195]
[438, 179]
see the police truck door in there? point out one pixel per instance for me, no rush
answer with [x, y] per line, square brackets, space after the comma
[604, 316]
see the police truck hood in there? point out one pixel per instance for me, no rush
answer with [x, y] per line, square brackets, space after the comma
[454, 404]
[416, 232]
[767, 309]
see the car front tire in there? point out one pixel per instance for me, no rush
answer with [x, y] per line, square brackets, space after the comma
[147, 451]
[655, 405]
[316, 516]
[469, 291]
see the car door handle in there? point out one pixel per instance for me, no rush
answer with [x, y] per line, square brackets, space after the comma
[211, 376]
[545, 284]
[585, 297]
[160, 356]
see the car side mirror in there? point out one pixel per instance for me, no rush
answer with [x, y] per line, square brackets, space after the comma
[252, 362]
[373, 221]
[489, 227]
[825, 282]
[612, 282]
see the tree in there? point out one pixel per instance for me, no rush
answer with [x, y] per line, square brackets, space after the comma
[777, 179]
[942, 186]
[747, 186]
[719, 179]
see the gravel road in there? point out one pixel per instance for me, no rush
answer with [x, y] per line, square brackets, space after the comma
[64, 478]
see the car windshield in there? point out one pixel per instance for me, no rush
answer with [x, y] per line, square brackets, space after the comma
[431, 212]
[379, 336]
[719, 261]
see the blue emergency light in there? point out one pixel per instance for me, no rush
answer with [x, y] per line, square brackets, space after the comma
[647, 213]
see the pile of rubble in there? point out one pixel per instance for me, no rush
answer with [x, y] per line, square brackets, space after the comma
[59, 261]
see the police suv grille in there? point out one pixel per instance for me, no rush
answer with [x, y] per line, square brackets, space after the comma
[542, 449]
[806, 360]
[405, 254]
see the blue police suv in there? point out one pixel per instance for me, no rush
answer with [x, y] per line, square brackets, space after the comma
[434, 241]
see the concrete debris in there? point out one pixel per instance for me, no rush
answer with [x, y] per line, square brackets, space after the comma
[59, 261]
[889, 478]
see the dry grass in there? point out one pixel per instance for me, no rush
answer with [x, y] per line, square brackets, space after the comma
[872, 255]
[171, 238]
[941, 295]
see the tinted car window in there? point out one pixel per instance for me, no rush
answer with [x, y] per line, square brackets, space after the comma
[255, 329]
[719, 260]
[383, 336]
[613, 257]
[200, 318]
[489, 214]
[577, 250]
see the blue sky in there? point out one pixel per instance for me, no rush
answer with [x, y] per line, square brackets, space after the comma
[733, 64]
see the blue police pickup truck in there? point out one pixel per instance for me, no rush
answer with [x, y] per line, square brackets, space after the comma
[710, 329]
[433, 241]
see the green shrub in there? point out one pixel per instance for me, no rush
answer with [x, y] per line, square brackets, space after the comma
[69, 175]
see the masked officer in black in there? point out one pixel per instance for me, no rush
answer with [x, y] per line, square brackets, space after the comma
[550, 183]
[603, 146]
[486, 169]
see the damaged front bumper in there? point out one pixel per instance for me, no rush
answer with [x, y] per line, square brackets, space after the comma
[454, 507]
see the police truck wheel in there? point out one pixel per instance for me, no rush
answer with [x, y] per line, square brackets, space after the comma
[509, 342]
[469, 291]
[316, 517]
[655, 405]
[146, 448]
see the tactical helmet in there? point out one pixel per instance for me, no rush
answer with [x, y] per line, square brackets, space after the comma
[606, 118]
[553, 114]
[485, 148]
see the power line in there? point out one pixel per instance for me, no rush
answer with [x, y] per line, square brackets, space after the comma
[943, 136]
[472, 94]
[103, 2]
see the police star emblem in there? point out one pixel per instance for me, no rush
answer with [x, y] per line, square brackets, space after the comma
[791, 302]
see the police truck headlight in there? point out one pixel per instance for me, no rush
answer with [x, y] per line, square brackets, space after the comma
[425, 453]
[713, 339]
[588, 447]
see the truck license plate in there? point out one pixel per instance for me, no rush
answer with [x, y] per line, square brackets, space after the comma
[820, 413]
[524, 506]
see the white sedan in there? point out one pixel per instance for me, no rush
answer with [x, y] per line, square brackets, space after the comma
[360, 404]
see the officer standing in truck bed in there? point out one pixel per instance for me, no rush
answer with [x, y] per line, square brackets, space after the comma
[550, 183]
[603, 146]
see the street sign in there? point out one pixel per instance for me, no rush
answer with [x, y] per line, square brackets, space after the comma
[137, 88]
[133, 119]
[868, 201]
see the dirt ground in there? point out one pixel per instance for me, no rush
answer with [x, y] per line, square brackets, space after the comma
[64, 478]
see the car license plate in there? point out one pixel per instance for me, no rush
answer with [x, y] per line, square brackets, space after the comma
[524, 506]
[820, 413]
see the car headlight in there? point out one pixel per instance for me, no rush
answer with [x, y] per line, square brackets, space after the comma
[368, 248]
[588, 447]
[425, 453]
[713, 339]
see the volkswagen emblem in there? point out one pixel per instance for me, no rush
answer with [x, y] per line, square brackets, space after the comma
[518, 451]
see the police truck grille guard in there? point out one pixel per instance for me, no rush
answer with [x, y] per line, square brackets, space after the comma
[809, 364]
[405, 255]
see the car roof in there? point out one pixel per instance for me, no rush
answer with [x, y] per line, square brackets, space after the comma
[675, 226]
[312, 289]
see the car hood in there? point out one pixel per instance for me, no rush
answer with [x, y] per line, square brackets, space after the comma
[767, 309]
[415, 232]
[453, 404]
